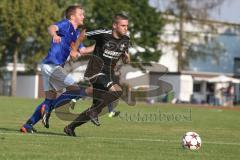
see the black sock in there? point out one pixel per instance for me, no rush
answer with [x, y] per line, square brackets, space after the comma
[101, 99]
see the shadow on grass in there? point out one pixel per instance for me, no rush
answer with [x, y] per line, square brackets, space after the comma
[12, 130]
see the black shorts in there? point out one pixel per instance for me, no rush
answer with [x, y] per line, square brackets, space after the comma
[104, 82]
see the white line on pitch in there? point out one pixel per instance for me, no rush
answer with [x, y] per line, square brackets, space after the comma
[118, 139]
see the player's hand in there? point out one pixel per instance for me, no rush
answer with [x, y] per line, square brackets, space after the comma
[56, 39]
[74, 54]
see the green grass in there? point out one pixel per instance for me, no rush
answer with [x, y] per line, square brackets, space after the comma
[155, 134]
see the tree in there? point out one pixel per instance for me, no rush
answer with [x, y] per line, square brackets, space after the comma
[23, 26]
[196, 13]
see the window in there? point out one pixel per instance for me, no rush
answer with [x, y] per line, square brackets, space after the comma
[197, 87]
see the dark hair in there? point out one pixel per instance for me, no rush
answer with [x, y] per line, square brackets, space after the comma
[71, 10]
[119, 16]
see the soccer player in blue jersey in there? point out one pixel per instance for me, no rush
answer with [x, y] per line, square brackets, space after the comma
[64, 33]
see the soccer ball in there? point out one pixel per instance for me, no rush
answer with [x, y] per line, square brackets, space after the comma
[191, 140]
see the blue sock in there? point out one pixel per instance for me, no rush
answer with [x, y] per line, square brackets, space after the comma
[110, 107]
[27, 126]
[37, 113]
[68, 96]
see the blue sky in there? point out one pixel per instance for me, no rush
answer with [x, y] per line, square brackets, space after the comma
[229, 11]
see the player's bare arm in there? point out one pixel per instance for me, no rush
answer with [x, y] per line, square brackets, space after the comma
[75, 46]
[81, 52]
[126, 58]
[52, 30]
[86, 50]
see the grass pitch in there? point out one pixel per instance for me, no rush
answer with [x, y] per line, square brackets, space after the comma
[141, 132]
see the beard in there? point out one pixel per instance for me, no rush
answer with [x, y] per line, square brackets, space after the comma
[120, 34]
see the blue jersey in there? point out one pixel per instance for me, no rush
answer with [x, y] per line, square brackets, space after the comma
[59, 52]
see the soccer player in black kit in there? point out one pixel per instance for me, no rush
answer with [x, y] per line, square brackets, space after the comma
[110, 47]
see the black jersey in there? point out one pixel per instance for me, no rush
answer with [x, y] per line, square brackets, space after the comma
[108, 50]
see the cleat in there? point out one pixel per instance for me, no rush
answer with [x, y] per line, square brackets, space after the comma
[28, 129]
[93, 117]
[45, 116]
[116, 113]
[69, 131]
[94, 120]
[111, 114]
[45, 119]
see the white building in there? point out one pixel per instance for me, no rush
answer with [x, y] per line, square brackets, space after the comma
[193, 82]
[27, 84]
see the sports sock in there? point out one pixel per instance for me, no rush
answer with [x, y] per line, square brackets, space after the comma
[67, 96]
[110, 107]
[36, 116]
[104, 98]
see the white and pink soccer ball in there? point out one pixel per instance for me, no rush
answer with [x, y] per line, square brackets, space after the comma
[192, 141]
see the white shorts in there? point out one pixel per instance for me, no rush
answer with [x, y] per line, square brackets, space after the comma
[55, 77]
